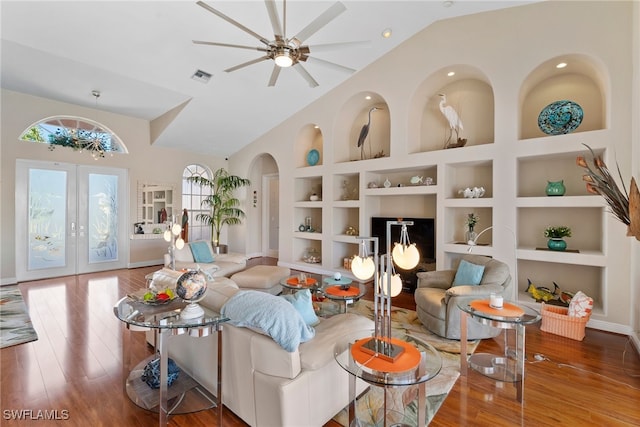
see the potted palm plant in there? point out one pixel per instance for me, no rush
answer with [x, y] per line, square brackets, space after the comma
[222, 204]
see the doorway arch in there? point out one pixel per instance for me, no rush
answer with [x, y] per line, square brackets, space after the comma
[263, 217]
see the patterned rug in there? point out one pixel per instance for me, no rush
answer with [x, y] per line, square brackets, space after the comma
[369, 406]
[15, 323]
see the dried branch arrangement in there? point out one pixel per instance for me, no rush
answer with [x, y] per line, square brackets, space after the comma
[624, 205]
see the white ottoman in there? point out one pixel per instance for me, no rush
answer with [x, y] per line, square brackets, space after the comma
[265, 278]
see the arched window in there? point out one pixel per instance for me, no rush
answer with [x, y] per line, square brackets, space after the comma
[192, 196]
[77, 133]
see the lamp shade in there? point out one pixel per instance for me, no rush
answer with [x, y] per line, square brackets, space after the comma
[396, 284]
[180, 243]
[176, 229]
[363, 268]
[405, 257]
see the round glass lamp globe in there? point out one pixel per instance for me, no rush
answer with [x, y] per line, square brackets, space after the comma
[396, 285]
[176, 229]
[167, 235]
[179, 243]
[363, 268]
[405, 257]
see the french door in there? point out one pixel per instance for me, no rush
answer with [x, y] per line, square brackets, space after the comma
[68, 219]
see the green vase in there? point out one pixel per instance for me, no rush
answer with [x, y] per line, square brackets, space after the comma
[556, 244]
[555, 188]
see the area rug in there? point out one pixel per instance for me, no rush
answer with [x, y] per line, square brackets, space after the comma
[369, 406]
[15, 323]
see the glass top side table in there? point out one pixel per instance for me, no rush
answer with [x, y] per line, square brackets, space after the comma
[508, 367]
[165, 321]
[426, 366]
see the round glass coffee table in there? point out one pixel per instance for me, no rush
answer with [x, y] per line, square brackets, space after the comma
[185, 394]
[403, 361]
[345, 293]
[507, 367]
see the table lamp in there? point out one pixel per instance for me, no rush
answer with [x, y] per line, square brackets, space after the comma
[386, 285]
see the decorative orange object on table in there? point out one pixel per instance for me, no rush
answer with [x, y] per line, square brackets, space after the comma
[295, 282]
[352, 291]
[409, 358]
[507, 310]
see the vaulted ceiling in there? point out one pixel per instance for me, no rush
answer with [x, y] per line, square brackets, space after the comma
[141, 58]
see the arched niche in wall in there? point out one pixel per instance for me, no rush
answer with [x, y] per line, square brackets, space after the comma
[580, 81]
[309, 146]
[468, 92]
[349, 125]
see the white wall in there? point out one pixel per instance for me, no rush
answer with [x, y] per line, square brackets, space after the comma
[144, 163]
[506, 46]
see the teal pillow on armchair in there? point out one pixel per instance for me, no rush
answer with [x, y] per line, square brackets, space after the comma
[468, 274]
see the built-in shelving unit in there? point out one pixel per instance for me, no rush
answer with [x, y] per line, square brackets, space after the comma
[428, 180]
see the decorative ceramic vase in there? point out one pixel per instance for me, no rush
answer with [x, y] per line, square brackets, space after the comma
[556, 244]
[555, 188]
[314, 197]
[470, 235]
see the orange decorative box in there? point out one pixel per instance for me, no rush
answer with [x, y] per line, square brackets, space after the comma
[556, 321]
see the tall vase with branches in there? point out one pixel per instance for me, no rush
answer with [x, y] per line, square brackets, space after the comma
[222, 204]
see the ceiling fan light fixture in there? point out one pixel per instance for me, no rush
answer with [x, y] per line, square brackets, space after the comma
[283, 57]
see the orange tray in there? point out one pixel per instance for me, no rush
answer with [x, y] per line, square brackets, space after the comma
[507, 310]
[295, 282]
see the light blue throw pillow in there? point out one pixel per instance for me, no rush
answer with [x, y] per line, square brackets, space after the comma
[301, 301]
[468, 274]
[270, 314]
[201, 252]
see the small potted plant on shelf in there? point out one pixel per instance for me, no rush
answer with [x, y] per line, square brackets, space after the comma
[556, 235]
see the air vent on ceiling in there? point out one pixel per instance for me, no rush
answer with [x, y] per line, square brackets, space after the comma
[201, 76]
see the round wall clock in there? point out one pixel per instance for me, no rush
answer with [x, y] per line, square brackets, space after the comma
[313, 156]
[560, 117]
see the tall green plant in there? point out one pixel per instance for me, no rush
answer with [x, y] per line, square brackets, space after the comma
[222, 204]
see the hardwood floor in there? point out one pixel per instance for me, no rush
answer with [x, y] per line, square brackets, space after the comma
[73, 371]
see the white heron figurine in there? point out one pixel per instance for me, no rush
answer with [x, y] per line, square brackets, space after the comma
[455, 124]
[364, 132]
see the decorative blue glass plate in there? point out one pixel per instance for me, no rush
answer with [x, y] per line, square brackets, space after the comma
[560, 117]
[313, 157]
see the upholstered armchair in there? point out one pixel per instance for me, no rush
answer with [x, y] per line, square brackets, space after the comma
[438, 294]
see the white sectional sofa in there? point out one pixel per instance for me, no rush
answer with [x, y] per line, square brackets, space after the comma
[264, 384]
[217, 265]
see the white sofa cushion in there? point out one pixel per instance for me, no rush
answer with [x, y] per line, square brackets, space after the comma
[318, 352]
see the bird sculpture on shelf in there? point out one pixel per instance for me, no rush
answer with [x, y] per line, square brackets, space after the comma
[364, 132]
[455, 124]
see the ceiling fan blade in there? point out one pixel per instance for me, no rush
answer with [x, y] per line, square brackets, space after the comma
[246, 64]
[233, 22]
[274, 75]
[261, 49]
[330, 64]
[333, 46]
[322, 20]
[275, 19]
[305, 74]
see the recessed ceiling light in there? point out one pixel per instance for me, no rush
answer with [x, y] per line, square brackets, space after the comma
[386, 33]
[201, 76]
[561, 65]
[368, 97]
[447, 3]
[451, 73]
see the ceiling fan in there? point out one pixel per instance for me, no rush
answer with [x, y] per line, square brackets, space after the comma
[286, 52]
